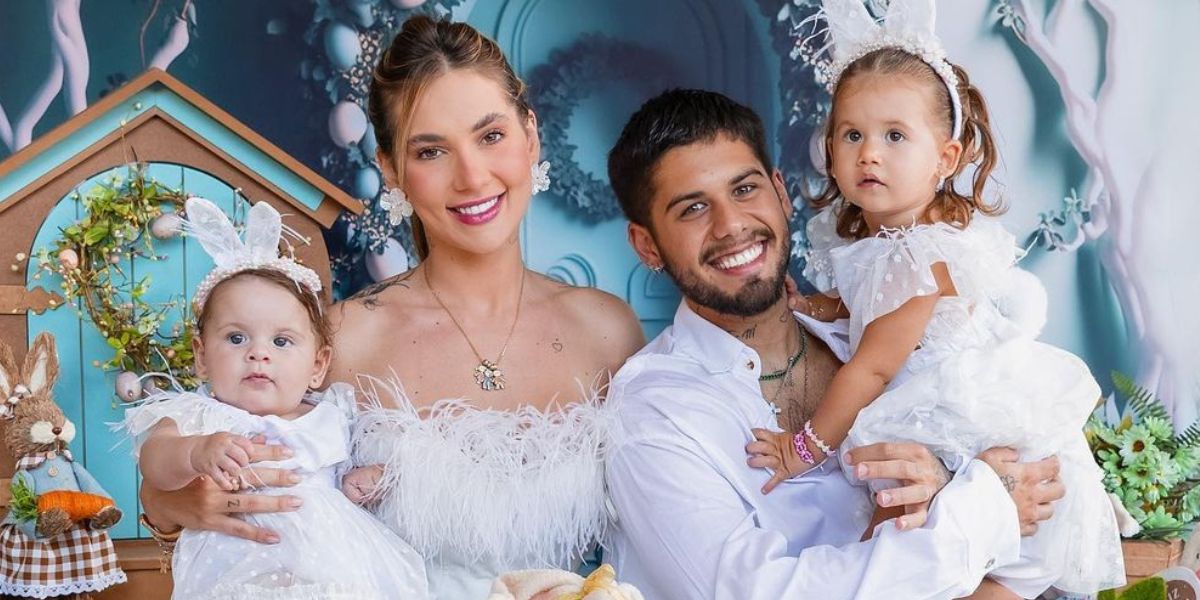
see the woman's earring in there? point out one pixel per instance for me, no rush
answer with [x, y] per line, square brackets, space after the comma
[539, 174]
[656, 268]
[396, 204]
[941, 185]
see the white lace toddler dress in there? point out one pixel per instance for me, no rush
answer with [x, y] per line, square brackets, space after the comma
[978, 380]
[328, 549]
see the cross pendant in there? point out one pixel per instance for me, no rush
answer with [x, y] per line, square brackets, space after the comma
[775, 410]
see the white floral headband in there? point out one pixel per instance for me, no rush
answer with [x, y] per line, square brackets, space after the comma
[210, 226]
[907, 25]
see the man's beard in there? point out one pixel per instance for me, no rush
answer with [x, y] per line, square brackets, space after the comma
[754, 297]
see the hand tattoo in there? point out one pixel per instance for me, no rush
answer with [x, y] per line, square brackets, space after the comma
[1010, 482]
[233, 504]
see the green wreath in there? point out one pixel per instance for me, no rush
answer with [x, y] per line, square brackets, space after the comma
[556, 88]
[120, 222]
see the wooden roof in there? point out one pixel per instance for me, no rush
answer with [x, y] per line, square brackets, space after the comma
[156, 92]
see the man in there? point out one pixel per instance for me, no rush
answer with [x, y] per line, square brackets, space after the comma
[692, 174]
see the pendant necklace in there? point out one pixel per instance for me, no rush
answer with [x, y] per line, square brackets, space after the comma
[786, 372]
[487, 374]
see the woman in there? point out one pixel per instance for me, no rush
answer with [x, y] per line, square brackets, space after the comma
[493, 445]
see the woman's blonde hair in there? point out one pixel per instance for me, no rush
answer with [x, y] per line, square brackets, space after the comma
[425, 49]
[979, 148]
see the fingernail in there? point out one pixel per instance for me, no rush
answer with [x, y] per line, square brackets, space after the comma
[900, 523]
[272, 539]
[861, 471]
[293, 478]
[287, 452]
[885, 499]
[295, 503]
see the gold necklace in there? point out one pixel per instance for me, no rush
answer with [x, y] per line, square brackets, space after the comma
[488, 374]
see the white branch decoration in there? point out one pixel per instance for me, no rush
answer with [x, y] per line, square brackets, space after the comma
[177, 38]
[68, 60]
[1112, 189]
[70, 68]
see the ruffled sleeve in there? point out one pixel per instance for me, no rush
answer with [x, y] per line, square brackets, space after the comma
[822, 240]
[877, 275]
[193, 414]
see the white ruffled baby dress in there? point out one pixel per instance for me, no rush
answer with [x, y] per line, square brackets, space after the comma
[978, 380]
[482, 492]
[329, 549]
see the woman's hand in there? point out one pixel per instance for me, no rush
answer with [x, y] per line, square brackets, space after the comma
[360, 483]
[1034, 486]
[203, 505]
[920, 473]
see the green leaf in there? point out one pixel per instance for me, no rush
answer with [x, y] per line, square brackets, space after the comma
[95, 234]
[24, 501]
[1141, 401]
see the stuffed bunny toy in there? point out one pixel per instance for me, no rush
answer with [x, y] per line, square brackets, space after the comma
[52, 542]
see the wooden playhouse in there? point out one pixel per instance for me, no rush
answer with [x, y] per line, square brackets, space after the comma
[188, 144]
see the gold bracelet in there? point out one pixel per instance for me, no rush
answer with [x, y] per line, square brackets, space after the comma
[166, 542]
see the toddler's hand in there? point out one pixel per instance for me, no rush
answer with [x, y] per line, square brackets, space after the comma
[221, 456]
[773, 450]
[796, 301]
[359, 484]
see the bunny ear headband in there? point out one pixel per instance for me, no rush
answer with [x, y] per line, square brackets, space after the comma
[210, 226]
[852, 33]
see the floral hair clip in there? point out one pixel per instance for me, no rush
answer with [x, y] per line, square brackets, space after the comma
[208, 224]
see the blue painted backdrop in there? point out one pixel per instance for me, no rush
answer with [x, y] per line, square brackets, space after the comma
[269, 63]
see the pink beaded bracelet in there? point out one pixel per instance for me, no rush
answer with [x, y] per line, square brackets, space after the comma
[802, 449]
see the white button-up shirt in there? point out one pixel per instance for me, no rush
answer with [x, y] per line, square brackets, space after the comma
[692, 522]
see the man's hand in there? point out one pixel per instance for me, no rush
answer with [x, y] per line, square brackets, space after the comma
[1033, 486]
[920, 473]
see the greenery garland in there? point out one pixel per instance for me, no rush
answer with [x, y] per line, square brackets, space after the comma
[88, 257]
[556, 88]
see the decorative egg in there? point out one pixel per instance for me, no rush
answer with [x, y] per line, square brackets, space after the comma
[366, 183]
[166, 226]
[368, 144]
[347, 123]
[129, 386]
[342, 45]
[393, 261]
[69, 259]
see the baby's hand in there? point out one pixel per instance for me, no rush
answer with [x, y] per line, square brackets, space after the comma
[773, 450]
[221, 456]
[359, 484]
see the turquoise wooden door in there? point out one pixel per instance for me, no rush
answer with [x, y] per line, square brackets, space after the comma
[719, 45]
[84, 390]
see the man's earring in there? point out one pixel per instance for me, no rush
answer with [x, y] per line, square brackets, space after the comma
[655, 268]
[539, 174]
[396, 204]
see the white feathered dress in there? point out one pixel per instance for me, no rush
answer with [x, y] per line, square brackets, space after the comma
[979, 380]
[329, 549]
[483, 492]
